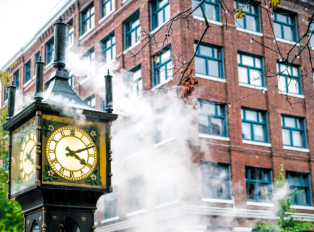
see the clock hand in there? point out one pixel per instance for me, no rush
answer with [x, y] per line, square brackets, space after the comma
[28, 157]
[72, 153]
[83, 149]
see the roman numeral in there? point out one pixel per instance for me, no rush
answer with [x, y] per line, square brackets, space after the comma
[54, 161]
[61, 170]
[54, 140]
[72, 132]
[62, 133]
[91, 155]
[71, 174]
[51, 151]
[89, 145]
[82, 173]
[89, 165]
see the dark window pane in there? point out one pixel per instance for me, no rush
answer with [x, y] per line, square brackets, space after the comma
[203, 124]
[213, 68]
[250, 191]
[217, 126]
[277, 30]
[262, 192]
[212, 170]
[294, 179]
[256, 174]
[302, 197]
[200, 65]
[221, 189]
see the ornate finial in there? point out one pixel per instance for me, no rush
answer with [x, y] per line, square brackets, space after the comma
[108, 71]
[60, 19]
[12, 82]
[39, 58]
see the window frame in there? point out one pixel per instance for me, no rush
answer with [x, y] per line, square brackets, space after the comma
[128, 25]
[102, 4]
[70, 34]
[257, 15]
[298, 186]
[157, 67]
[88, 19]
[286, 76]
[27, 71]
[217, 9]
[36, 59]
[291, 129]
[223, 117]
[265, 123]
[139, 91]
[16, 77]
[50, 50]
[89, 99]
[213, 178]
[257, 182]
[261, 69]
[104, 49]
[114, 199]
[282, 24]
[155, 4]
[220, 60]
[91, 68]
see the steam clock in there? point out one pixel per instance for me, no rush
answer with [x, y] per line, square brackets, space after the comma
[59, 164]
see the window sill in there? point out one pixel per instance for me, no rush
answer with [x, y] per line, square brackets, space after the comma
[161, 84]
[302, 207]
[104, 18]
[130, 48]
[134, 154]
[156, 29]
[250, 32]
[216, 137]
[48, 65]
[217, 200]
[242, 229]
[166, 204]
[260, 204]
[86, 79]
[256, 143]
[71, 46]
[110, 219]
[27, 83]
[287, 41]
[253, 86]
[86, 33]
[296, 149]
[292, 95]
[211, 78]
[210, 21]
[136, 212]
[164, 142]
[124, 1]
[34, 77]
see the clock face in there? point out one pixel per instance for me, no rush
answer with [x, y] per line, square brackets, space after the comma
[71, 153]
[27, 155]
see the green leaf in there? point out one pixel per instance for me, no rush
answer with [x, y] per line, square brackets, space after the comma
[55, 176]
[98, 177]
[88, 131]
[46, 172]
[95, 138]
[88, 179]
[46, 178]
[95, 172]
[97, 182]
[46, 123]
[93, 182]
[45, 128]
[51, 178]
[47, 167]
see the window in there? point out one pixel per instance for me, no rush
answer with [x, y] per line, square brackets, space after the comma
[254, 125]
[251, 19]
[71, 81]
[215, 180]
[312, 37]
[162, 67]
[293, 131]
[111, 204]
[136, 191]
[6, 93]
[160, 12]
[166, 185]
[108, 48]
[211, 118]
[5, 160]
[208, 61]
[89, 58]
[87, 19]
[27, 68]
[250, 70]
[91, 101]
[137, 82]
[258, 182]
[107, 7]
[70, 34]
[211, 8]
[37, 55]
[289, 79]
[299, 182]
[162, 125]
[16, 77]
[285, 26]
[132, 28]
[49, 50]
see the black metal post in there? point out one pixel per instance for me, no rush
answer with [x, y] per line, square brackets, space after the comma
[11, 101]
[59, 44]
[39, 86]
[109, 101]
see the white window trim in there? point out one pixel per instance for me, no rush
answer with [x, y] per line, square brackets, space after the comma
[109, 219]
[124, 1]
[104, 18]
[242, 229]
[106, 64]
[217, 200]
[5, 102]
[296, 149]
[136, 212]
[216, 137]
[249, 31]
[34, 77]
[156, 29]
[291, 94]
[95, 223]
[163, 142]
[161, 84]
[48, 65]
[256, 143]
[27, 83]
[302, 207]
[208, 20]
[89, 77]
[252, 86]
[287, 42]
[134, 154]
[130, 48]
[87, 32]
[166, 204]
[211, 78]
[260, 204]
[68, 48]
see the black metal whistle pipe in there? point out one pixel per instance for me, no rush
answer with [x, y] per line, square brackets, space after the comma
[109, 98]
[11, 101]
[39, 85]
[59, 44]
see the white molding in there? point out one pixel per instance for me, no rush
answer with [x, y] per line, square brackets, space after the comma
[210, 78]
[86, 33]
[136, 212]
[161, 84]
[109, 219]
[130, 48]
[250, 32]
[27, 83]
[156, 29]
[208, 20]
[124, 1]
[166, 204]
[213, 137]
[260, 204]
[291, 94]
[104, 18]
[217, 200]
[302, 207]
[296, 149]
[34, 77]
[163, 142]
[134, 154]
[242, 229]
[86, 79]
[256, 143]
[287, 42]
[252, 86]
[48, 65]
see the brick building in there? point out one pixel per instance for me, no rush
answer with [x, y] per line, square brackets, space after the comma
[238, 148]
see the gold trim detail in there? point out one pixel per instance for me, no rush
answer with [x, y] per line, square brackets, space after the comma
[83, 219]
[54, 218]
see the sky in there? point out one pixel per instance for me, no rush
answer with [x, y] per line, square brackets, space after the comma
[19, 22]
